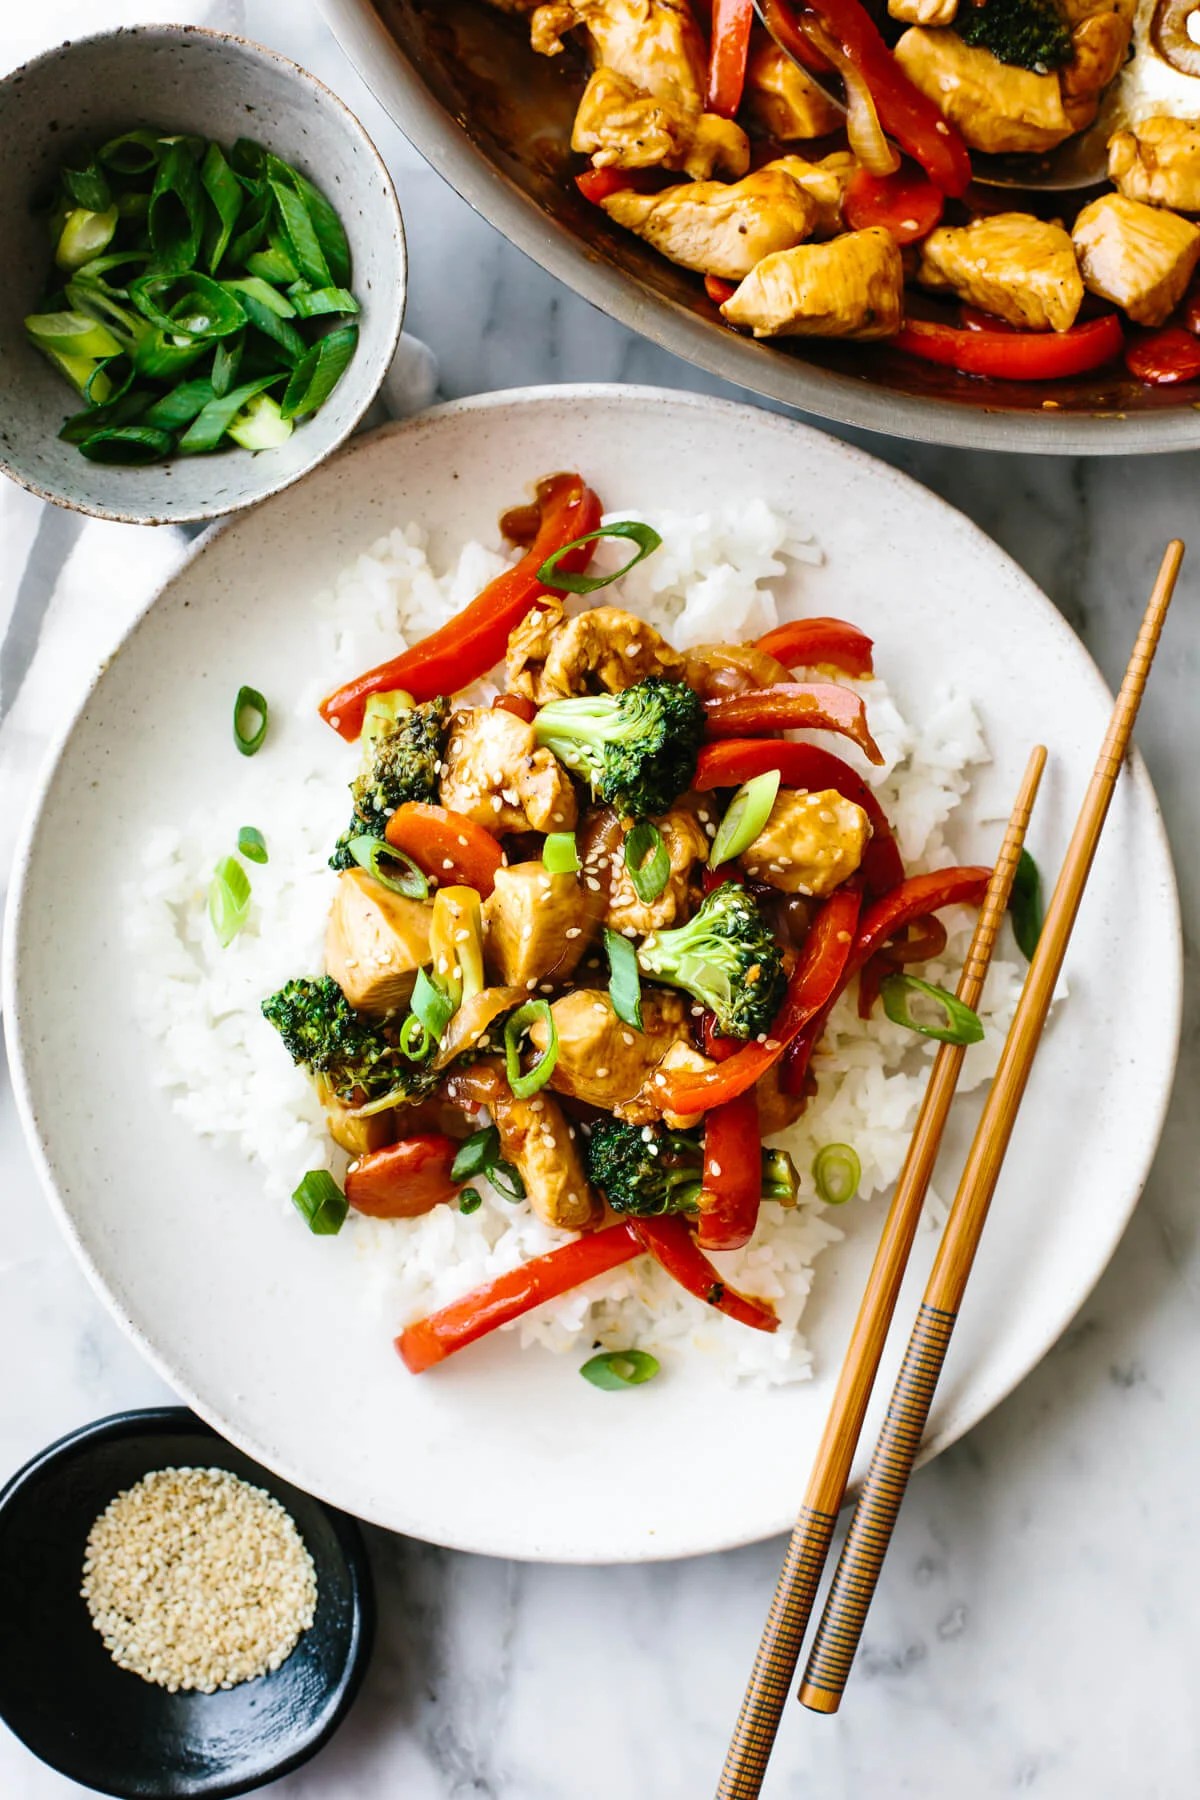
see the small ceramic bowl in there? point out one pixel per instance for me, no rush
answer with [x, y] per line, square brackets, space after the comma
[181, 79]
[62, 1694]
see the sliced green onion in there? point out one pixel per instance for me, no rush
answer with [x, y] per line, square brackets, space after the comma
[526, 1084]
[507, 1181]
[470, 1200]
[321, 1203]
[326, 224]
[209, 427]
[745, 817]
[87, 187]
[303, 242]
[390, 868]
[84, 373]
[84, 235]
[837, 1173]
[434, 1008]
[188, 306]
[560, 853]
[624, 981]
[252, 844]
[273, 265]
[248, 706]
[477, 1155]
[121, 409]
[962, 1025]
[268, 320]
[130, 446]
[133, 153]
[176, 216]
[228, 197]
[260, 425]
[1025, 905]
[646, 861]
[414, 1040]
[226, 363]
[71, 334]
[154, 355]
[319, 371]
[228, 899]
[614, 1369]
[257, 289]
[644, 536]
[178, 408]
[316, 302]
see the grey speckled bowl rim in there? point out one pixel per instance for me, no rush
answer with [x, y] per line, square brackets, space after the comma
[819, 392]
[179, 33]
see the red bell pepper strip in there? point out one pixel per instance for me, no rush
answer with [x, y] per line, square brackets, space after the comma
[728, 55]
[718, 290]
[1189, 306]
[906, 203]
[671, 1243]
[904, 112]
[805, 643]
[964, 884]
[807, 766]
[517, 1291]
[471, 643]
[731, 1192]
[597, 184]
[815, 980]
[1015, 355]
[405, 1179]
[793, 705]
[1164, 358]
[446, 845]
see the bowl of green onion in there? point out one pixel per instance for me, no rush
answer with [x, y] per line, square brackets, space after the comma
[206, 278]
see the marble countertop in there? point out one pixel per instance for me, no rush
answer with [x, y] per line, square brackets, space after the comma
[1038, 1627]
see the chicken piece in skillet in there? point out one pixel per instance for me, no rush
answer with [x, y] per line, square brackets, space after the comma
[656, 44]
[495, 774]
[923, 12]
[810, 844]
[620, 127]
[535, 1136]
[604, 650]
[825, 182]
[1021, 268]
[718, 228]
[600, 1058]
[783, 99]
[538, 925]
[1141, 257]
[850, 288]
[1158, 161]
[686, 844]
[375, 942]
[996, 106]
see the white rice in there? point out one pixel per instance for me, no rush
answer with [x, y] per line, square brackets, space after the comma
[224, 1070]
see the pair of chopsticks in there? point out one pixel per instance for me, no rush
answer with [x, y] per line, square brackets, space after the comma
[879, 1501]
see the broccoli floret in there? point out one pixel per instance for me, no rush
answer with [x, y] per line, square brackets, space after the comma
[401, 749]
[637, 749]
[1032, 34]
[645, 1169]
[724, 957]
[357, 1056]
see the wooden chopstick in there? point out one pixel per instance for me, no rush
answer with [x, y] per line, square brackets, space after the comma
[791, 1608]
[879, 1502]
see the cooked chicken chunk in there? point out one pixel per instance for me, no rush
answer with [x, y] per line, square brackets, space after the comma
[375, 942]
[825, 182]
[719, 228]
[682, 1058]
[850, 288]
[923, 12]
[620, 127]
[538, 925]
[536, 1137]
[995, 105]
[810, 844]
[354, 1133]
[783, 99]
[686, 844]
[1021, 268]
[1139, 256]
[1158, 162]
[495, 774]
[656, 44]
[600, 1058]
[605, 650]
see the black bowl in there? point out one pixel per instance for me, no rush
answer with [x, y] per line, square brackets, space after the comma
[62, 1694]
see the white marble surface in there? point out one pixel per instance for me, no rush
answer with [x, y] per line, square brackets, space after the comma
[1038, 1629]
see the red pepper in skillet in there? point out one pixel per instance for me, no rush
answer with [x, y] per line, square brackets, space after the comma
[1015, 355]
[792, 706]
[906, 203]
[728, 55]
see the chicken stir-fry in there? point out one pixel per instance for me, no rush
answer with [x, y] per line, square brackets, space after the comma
[718, 148]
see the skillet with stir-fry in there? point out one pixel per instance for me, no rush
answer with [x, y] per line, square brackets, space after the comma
[588, 928]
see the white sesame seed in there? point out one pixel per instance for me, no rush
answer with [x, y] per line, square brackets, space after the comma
[714, 1168]
[573, 931]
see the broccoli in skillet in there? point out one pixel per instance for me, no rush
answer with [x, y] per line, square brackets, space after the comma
[725, 957]
[646, 1170]
[358, 1057]
[637, 749]
[401, 749]
[1032, 34]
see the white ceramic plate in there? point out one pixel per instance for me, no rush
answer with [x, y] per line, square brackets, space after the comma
[262, 1327]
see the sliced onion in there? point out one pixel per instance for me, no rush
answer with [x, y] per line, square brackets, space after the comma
[866, 134]
[472, 1020]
